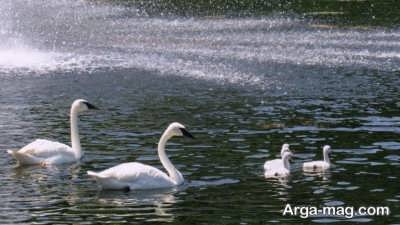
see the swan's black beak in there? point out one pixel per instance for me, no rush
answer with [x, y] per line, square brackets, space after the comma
[186, 133]
[91, 106]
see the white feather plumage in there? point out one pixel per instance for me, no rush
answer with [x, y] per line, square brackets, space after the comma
[135, 176]
[45, 152]
[320, 165]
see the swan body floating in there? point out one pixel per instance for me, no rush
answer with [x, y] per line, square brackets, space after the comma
[268, 165]
[45, 152]
[319, 165]
[135, 176]
[280, 170]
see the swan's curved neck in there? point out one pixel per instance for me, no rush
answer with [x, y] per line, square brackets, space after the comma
[326, 157]
[283, 151]
[173, 173]
[286, 163]
[75, 141]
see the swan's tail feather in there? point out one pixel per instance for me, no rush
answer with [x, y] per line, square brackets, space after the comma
[95, 175]
[107, 182]
[23, 159]
[12, 151]
[91, 173]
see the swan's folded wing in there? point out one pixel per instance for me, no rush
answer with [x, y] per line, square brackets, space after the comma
[315, 165]
[44, 149]
[131, 172]
[269, 165]
[277, 172]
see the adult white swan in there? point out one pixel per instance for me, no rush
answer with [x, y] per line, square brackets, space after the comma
[134, 176]
[280, 170]
[45, 152]
[319, 165]
[268, 165]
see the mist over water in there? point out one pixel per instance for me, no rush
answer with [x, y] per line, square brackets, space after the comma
[47, 36]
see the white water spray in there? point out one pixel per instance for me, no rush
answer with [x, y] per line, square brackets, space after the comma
[47, 36]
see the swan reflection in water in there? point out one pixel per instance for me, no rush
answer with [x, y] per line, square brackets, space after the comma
[157, 203]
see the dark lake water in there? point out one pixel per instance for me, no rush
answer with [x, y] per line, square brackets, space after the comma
[242, 86]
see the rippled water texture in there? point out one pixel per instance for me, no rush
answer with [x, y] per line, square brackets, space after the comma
[242, 86]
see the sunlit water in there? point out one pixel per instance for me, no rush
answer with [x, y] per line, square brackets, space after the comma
[243, 86]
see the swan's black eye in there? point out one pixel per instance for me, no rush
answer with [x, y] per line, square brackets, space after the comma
[90, 106]
[186, 133]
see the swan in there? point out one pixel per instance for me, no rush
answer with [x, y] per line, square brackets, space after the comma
[276, 162]
[45, 152]
[280, 170]
[319, 165]
[135, 176]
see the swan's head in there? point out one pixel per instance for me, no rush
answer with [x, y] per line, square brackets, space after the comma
[177, 129]
[81, 105]
[327, 149]
[285, 148]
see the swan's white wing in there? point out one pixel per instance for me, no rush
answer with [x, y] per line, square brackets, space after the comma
[44, 151]
[275, 168]
[44, 148]
[277, 172]
[133, 175]
[131, 171]
[315, 165]
[269, 165]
